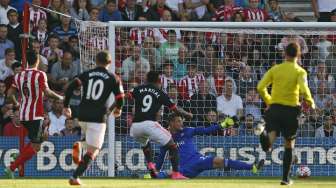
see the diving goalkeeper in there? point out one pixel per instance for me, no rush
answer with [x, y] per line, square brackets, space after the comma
[192, 163]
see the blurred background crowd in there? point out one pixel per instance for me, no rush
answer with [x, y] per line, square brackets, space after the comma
[211, 74]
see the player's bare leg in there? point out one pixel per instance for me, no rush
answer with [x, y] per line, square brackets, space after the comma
[89, 156]
[27, 153]
[147, 150]
[288, 159]
[174, 159]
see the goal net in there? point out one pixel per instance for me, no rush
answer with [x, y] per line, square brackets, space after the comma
[211, 70]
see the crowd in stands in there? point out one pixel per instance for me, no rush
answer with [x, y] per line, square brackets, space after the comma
[212, 75]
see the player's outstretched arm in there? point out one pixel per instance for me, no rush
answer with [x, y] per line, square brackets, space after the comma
[50, 93]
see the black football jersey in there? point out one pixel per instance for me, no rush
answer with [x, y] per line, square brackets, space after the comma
[97, 87]
[148, 101]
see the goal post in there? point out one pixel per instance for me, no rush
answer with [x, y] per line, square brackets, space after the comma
[245, 51]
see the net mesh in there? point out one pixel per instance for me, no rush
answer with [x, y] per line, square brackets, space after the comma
[213, 73]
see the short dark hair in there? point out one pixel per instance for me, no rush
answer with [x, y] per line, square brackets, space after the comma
[31, 56]
[171, 31]
[103, 57]
[172, 116]
[53, 36]
[15, 65]
[9, 50]
[111, 1]
[153, 77]
[11, 11]
[292, 50]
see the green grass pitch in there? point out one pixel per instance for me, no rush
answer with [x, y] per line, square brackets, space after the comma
[224, 182]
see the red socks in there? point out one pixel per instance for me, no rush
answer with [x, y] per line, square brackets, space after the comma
[27, 153]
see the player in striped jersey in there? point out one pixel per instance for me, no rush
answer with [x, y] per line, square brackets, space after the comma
[31, 85]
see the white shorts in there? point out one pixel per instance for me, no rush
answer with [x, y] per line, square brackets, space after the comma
[94, 133]
[146, 131]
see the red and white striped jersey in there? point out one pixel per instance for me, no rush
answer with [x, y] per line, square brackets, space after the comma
[255, 15]
[35, 16]
[47, 52]
[166, 81]
[225, 13]
[31, 84]
[188, 86]
[100, 43]
[138, 35]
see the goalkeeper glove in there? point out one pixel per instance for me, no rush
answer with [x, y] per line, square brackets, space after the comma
[227, 123]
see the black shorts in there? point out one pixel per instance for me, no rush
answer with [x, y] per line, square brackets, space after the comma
[282, 119]
[35, 130]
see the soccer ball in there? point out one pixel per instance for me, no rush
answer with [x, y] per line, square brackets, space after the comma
[303, 171]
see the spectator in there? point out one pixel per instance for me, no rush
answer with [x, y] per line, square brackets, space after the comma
[170, 49]
[57, 119]
[63, 71]
[305, 129]
[180, 65]
[15, 29]
[238, 17]
[110, 12]
[74, 46]
[4, 8]
[129, 64]
[177, 7]
[209, 61]
[225, 12]
[65, 30]
[6, 112]
[255, 14]
[323, 99]
[2, 93]
[52, 52]
[229, 104]
[211, 118]
[80, 9]
[4, 41]
[35, 14]
[14, 127]
[245, 3]
[247, 127]
[54, 19]
[138, 35]
[322, 76]
[132, 11]
[152, 54]
[202, 101]
[198, 9]
[71, 128]
[323, 46]
[99, 4]
[253, 104]
[293, 38]
[155, 12]
[42, 32]
[6, 63]
[322, 9]
[246, 81]
[189, 84]
[216, 81]
[162, 34]
[167, 75]
[16, 68]
[327, 130]
[94, 14]
[36, 46]
[275, 12]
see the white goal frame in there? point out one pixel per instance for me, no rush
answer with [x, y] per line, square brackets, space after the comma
[237, 26]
